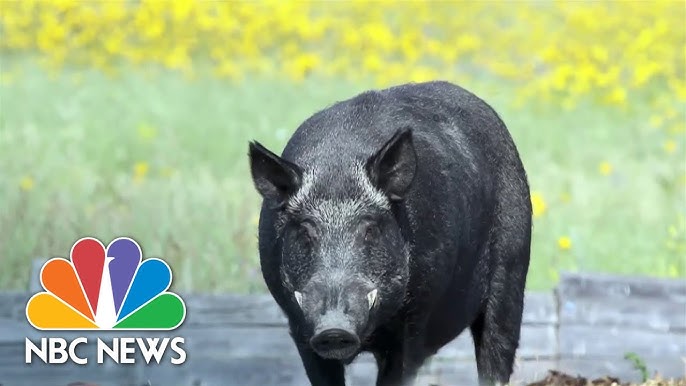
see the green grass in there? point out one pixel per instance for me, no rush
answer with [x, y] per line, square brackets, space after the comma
[78, 135]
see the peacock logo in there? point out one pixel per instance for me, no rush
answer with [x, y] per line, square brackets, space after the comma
[105, 288]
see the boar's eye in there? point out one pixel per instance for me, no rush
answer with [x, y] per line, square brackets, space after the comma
[307, 232]
[371, 232]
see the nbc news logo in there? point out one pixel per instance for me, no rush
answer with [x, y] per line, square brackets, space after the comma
[106, 289]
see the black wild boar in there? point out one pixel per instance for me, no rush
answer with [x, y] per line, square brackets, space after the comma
[391, 223]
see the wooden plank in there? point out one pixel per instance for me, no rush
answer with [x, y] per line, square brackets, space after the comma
[14, 371]
[215, 352]
[667, 367]
[275, 372]
[526, 371]
[207, 367]
[245, 342]
[652, 314]
[13, 304]
[463, 372]
[602, 342]
[225, 343]
[225, 309]
[238, 342]
[537, 341]
[460, 373]
[443, 372]
[261, 310]
[13, 331]
[605, 286]
[240, 372]
[34, 279]
[237, 372]
[244, 338]
[94, 379]
[539, 308]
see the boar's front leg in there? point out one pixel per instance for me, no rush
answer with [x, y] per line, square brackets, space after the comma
[390, 364]
[320, 371]
[399, 361]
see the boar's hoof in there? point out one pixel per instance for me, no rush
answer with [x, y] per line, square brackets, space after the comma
[335, 343]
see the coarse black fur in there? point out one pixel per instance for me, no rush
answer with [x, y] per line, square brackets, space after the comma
[444, 235]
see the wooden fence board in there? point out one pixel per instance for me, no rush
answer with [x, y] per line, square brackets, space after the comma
[537, 341]
[586, 326]
[650, 314]
[611, 301]
[602, 342]
[13, 304]
[605, 286]
[261, 310]
[252, 310]
[460, 373]
[540, 307]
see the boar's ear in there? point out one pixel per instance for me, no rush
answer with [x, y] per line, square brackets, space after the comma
[274, 177]
[393, 166]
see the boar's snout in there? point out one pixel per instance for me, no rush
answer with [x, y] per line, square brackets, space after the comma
[335, 343]
[340, 312]
[335, 334]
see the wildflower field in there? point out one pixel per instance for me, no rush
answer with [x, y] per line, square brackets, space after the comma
[133, 118]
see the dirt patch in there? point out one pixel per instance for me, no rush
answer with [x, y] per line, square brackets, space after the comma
[556, 378]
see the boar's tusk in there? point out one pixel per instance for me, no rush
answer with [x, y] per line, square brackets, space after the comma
[298, 298]
[371, 297]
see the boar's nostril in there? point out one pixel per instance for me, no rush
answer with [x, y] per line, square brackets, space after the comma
[335, 343]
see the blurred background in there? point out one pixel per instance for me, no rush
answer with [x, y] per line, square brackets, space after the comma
[133, 118]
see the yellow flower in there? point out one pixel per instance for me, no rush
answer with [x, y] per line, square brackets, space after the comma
[672, 231]
[605, 168]
[26, 183]
[561, 76]
[643, 73]
[140, 170]
[599, 53]
[467, 42]
[669, 146]
[538, 204]
[565, 197]
[6, 78]
[634, 48]
[422, 74]
[678, 128]
[564, 243]
[372, 62]
[656, 121]
[167, 172]
[146, 132]
[605, 78]
[302, 65]
[617, 96]
[672, 271]
[227, 69]
[679, 88]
